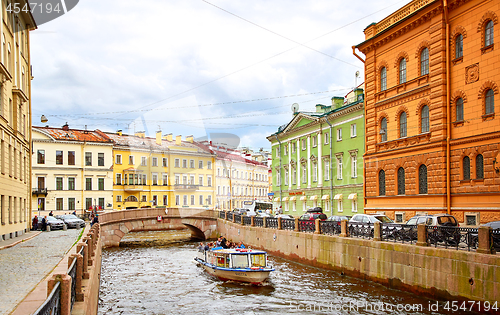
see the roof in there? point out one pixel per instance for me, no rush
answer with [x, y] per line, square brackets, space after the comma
[229, 156]
[60, 134]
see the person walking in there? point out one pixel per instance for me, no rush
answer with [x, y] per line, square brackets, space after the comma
[34, 225]
[44, 223]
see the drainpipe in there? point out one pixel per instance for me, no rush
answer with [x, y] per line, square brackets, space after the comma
[331, 169]
[448, 109]
[281, 201]
[366, 146]
[357, 56]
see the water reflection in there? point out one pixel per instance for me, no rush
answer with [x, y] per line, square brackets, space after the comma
[139, 278]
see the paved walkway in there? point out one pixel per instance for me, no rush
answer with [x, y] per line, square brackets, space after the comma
[28, 262]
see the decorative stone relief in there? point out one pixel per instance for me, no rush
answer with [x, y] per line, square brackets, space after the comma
[472, 73]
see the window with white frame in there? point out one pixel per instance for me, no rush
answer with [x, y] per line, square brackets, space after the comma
[354, 165]
[304, 206]
[286, 177]
[191, 163]
[143, 161]
[184, 200]
[209, 199]
[278, 177]
[304, 174]
[285, 149]
[177, 200]
[327, 169]
[131, 160]
[327, 205]
[118, 159]
[340, 207]
[327, 138]
[177, 163]
[200, 164]
[294, 176]
[339, 134]
[209, 165]
[354, 205]
[118, 179]
[314, 140]
[200, 180]
[192, 200]
[165, 180]
[315, 172]
[155, 161]
[303, 141]
[294, 147]
[294, 206]
[191, 180]
[118, 198]
[209, 181]
[184, 179]
[177, 179]
[200, 199]
[339, 167]
[353, 130]
[165, 162]
[184, 163]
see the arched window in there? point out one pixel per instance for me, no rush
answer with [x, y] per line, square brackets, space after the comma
[479, 167]
[424, 61]
[422, 179]
[488, 34]
[424, 117]
[401, 181]
[489, 102]
[383, 79]
[402, 71]
[402, 125]
[131, 199]
[383, 129]
[459, 46]
[459, 106]
[466, 167]
[381, 183]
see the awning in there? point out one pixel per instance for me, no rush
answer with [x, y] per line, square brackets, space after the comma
[337, 197]
[353, 196]
[314, 197]
[303, 198]
[293, 198]
[277, 199]
[285, 198]
[325, 197]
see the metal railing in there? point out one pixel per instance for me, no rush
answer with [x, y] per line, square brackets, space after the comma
[330, 227]
[258, 221]
[359, 229]
[401, 233]
[288, 224]
[271, 223]
[230, 216]
[495, 239]
[237, 218]
[72, 274]
[454, 237]
[307, 226]
[247, 220]
[222, 214]
[52, 305]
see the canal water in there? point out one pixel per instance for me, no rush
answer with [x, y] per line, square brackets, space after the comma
[154, 273]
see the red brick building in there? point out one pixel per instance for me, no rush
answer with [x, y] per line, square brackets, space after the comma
[432, 126]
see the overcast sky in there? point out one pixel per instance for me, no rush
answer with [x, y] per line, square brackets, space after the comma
[197, 67]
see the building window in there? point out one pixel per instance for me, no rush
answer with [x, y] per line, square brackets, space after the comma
[191, 163]
[466, 167]
[88, 203]
[177, 200]
[424, 118]
[131, 160]
[424, 61]
[340, 206]
[402, 71]
[383, 79]
[144, 198]
[71, 183]
[59, 157]
[304, 174]
[303, 141]
[285, 149]
[422, 179]
[165, 200]
[278, 178]
[209, 181]
[100, 183]
[101, 203]
[327, 170]
[88, 183]
[59, 183]
[177, 163]
[71, 204]
[118, 198]
[88, 158]
[353, 131]
[209, 165]
[402, 125]
[489, 102]
[155, 161]
[314, 140]
[192, 200]
[459, 46]
[381, 183]
[354, 165]
[40, 157]
[71, 157]
[479, 167]
[294, 147]
[165, 180]
[459, 108]
[59, 204]
[200, 180]
[383, 129]
[209, 199]
[118, 159]
[200, 164]
[401, 181]
[294, 176]
[100, 159]
[165, 162]
[118, 179]
[327, 138]
[488, 34]
[144, 161]
[200, 200]
[339, 134]
[339, 167]
[315, 172]
[155, 179]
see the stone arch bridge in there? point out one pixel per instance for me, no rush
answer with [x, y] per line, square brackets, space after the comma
[114, 225]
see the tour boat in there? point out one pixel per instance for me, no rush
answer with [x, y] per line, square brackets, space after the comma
[238, 264]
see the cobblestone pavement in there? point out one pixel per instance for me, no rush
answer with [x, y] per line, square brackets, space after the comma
[24, 265]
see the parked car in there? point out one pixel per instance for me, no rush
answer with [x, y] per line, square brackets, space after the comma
[337, 218]
[443, 231]
[55, 224]
[442, 219]
[313, 214]
[72, 221]
[359, 222]
[495, 237]
[370, 218]
[285, 216]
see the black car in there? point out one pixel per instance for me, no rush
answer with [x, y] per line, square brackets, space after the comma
[72, 221]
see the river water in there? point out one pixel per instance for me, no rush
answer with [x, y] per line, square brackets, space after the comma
[154, 273]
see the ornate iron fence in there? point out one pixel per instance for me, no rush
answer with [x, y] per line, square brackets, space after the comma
[52, 305]
[230, 216]
[258, 221]
[358, 229]
[222, 214]
[271, 223]
[72, 274]
[495, 239]
[288, 224]
[307, 226]
[237, 218]
[330, 227]
[453, 237]
[399, 233]
[247, 220]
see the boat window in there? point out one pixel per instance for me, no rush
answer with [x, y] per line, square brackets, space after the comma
[258, 260]
[221, 262]
[240, 261]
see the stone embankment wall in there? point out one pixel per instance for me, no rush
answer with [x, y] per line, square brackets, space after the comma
[436, 272]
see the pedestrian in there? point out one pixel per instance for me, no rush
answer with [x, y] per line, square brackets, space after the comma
[74, 213]
[34, 226]
[51, 213]
[44, 223]
[95, 220]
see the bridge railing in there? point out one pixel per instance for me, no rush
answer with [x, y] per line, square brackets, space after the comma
[457, 238]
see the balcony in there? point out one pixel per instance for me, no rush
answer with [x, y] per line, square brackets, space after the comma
[128, 187]
[186, 187]
[39, 191]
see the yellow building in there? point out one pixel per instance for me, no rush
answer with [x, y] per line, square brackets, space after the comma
[161, 172]
[15, 124]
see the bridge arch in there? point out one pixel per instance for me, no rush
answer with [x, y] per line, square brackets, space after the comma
[114, 225]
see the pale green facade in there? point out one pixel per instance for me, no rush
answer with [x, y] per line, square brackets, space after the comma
[317, 159]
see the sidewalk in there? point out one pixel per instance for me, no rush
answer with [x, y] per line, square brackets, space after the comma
[27, 260]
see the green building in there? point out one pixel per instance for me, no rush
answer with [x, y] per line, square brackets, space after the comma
[317, 159]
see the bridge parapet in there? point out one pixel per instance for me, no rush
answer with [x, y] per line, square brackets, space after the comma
[114, 225]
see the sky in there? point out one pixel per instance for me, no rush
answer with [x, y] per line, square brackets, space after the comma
[196, 67]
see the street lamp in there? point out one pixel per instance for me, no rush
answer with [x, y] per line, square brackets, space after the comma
[43, 119]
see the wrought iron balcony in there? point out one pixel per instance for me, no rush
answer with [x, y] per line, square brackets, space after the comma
[127, 187]
[39, 191]
[186, 187]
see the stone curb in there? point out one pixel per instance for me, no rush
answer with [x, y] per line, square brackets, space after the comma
[20, 241]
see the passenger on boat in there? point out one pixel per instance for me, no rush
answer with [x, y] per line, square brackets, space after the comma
[241, 245]
[201, 247]
[223, 242]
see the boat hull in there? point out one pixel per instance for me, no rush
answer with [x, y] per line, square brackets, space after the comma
[247, 276]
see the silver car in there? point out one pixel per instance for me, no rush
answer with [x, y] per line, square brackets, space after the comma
[72, 221]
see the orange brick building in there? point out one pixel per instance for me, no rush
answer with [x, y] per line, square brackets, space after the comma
[432, 111]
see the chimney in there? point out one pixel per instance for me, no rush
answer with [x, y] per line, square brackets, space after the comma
[178, 140]
[65, 127]
[140, 134]
[119, 132]
[168, 137]
[158, 137]
[190, 139]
